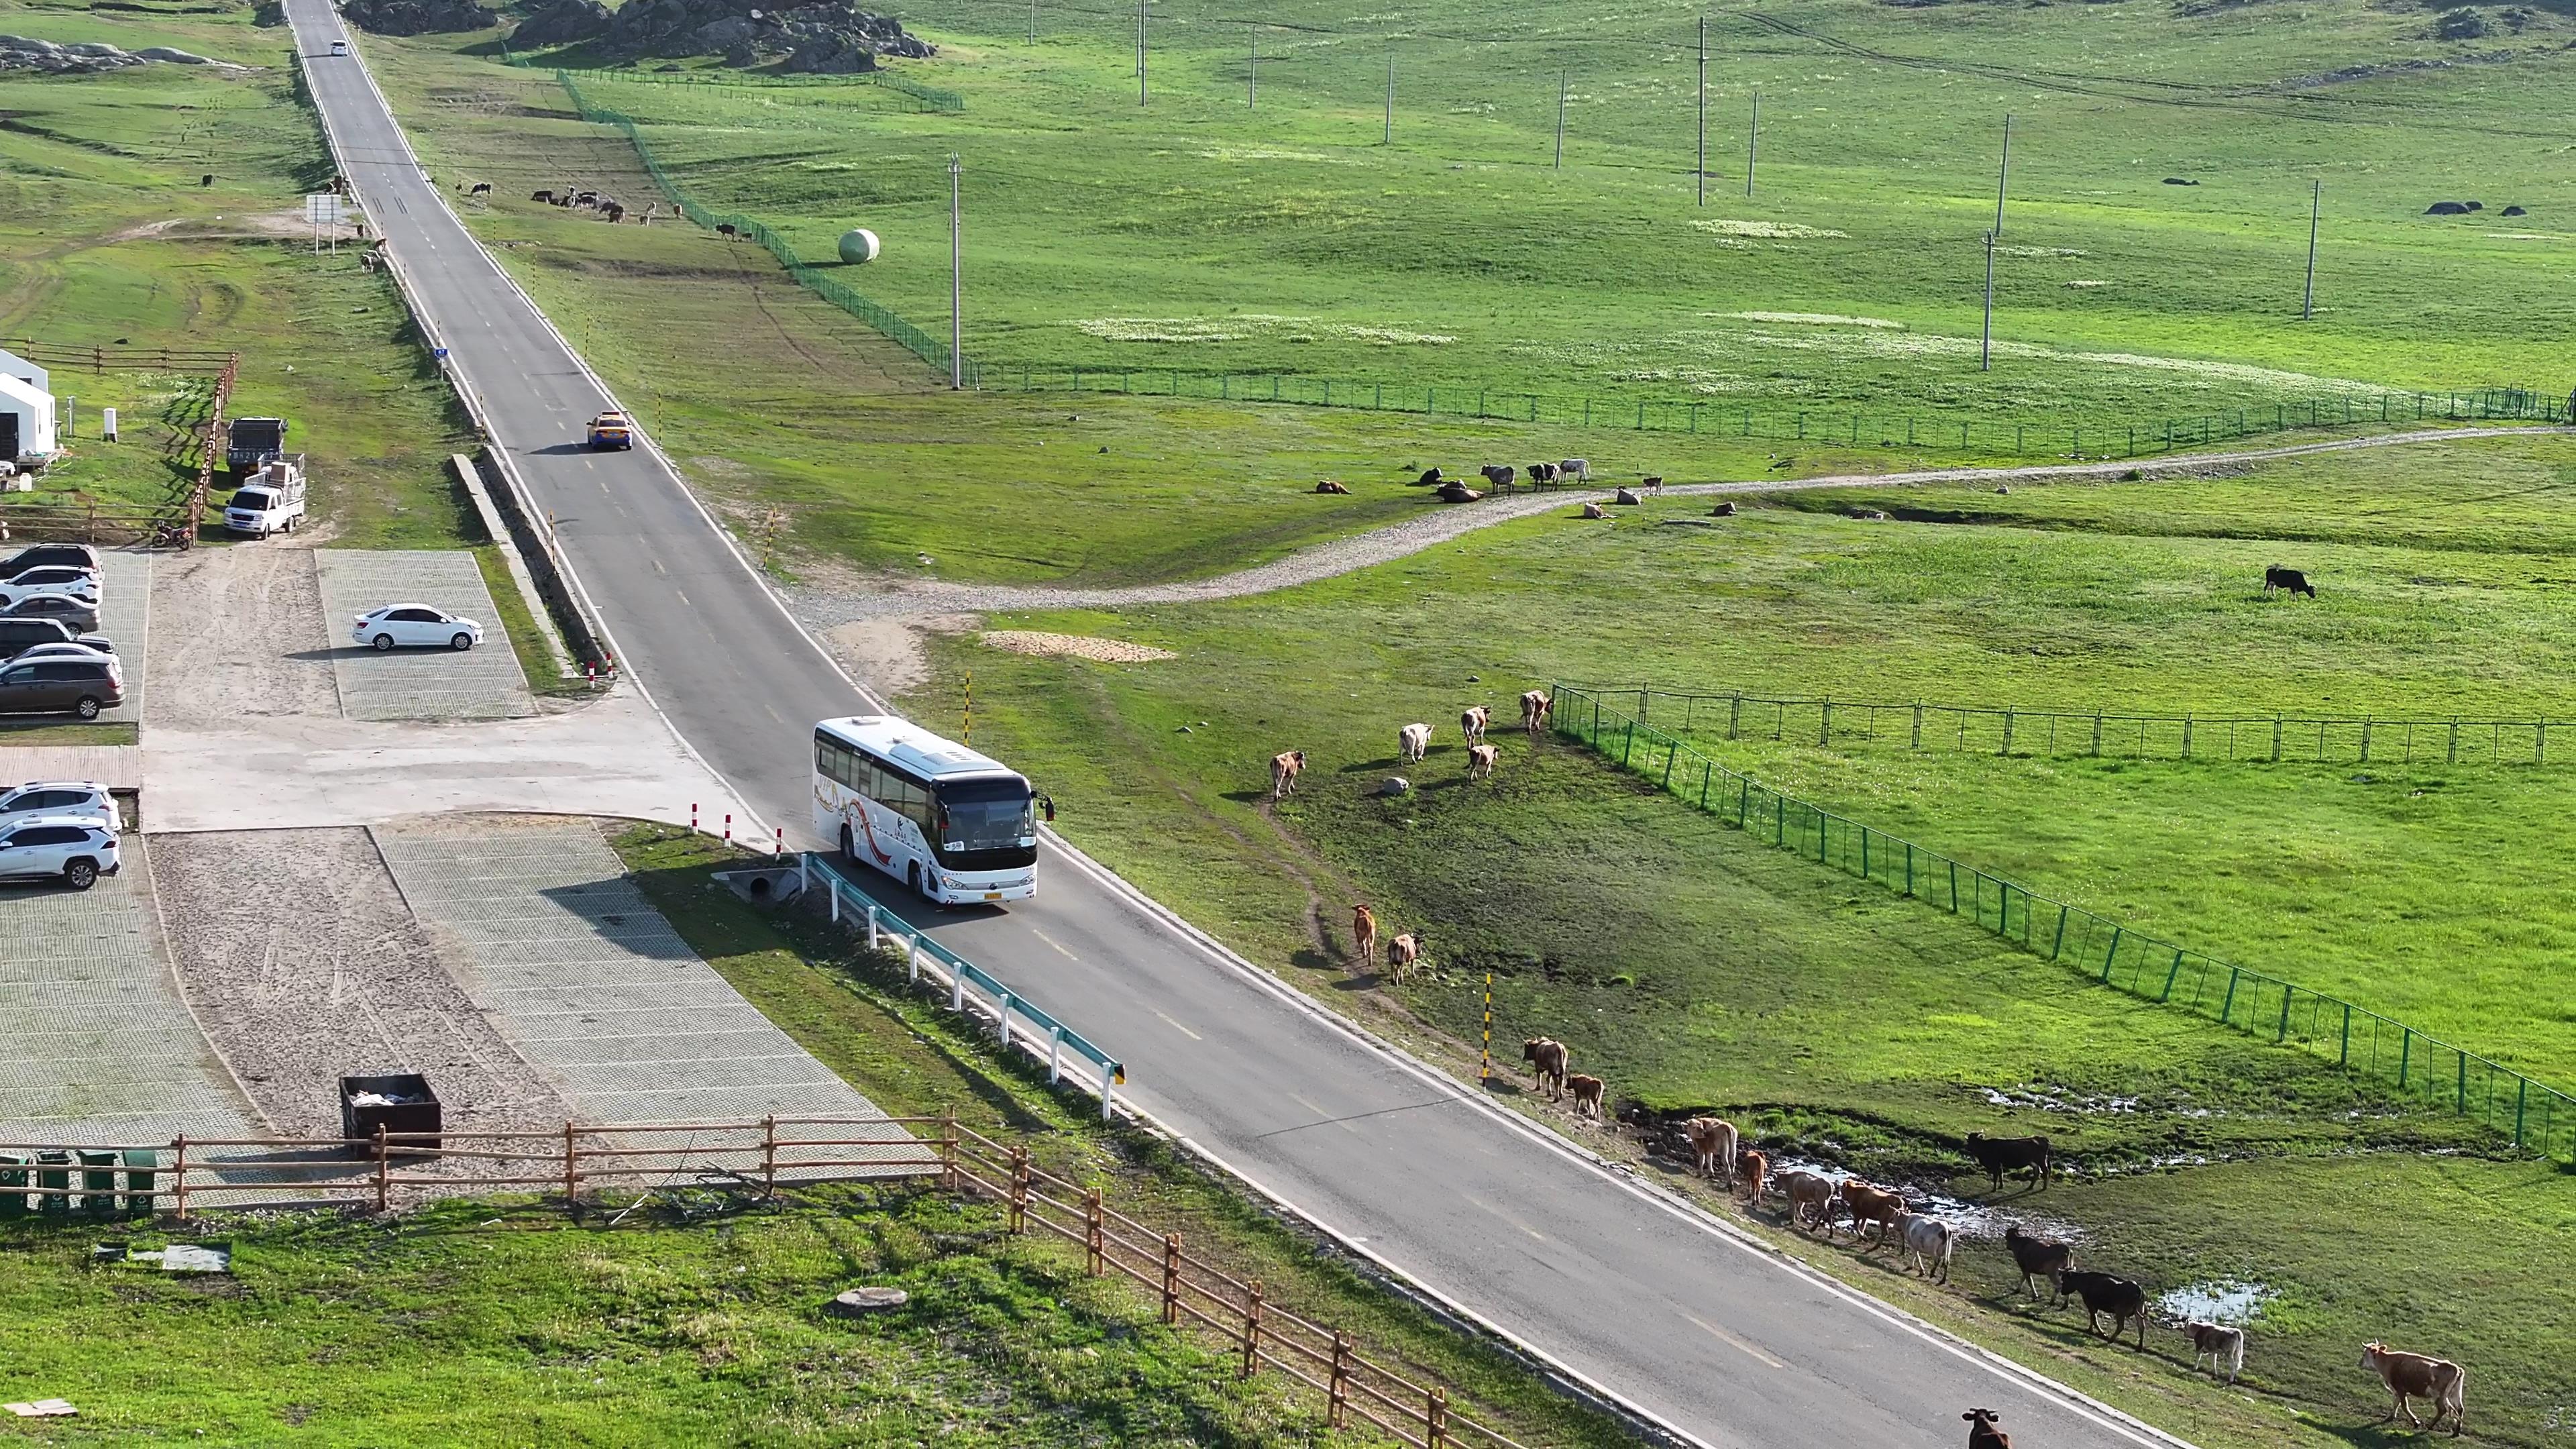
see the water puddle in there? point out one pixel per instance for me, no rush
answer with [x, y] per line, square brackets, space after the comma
[2225, 1301]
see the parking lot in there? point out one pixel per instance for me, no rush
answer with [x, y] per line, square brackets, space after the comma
[417, 684]
[125, 617]
[96, 1044]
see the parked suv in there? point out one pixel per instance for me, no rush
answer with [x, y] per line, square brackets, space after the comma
[19, 635]
[49, 580]
[58, 799]
[76, 614]
[73, 555]
[60, 686]
[75, 852]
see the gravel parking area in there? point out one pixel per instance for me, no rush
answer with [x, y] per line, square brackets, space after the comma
[591, 984]
[96, 1044]
[417, 684]
[240, 635]
[305, 966]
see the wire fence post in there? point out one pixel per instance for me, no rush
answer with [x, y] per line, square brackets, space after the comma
[768, 1155]
[948, 1149]
[179, 1171]
[1171, 1278]
[1338, 1394]
[1252, 1328]
[1019, 1218]
[572, 1169]
[1435, 1419]
[384, 1186]
[1095, 1231]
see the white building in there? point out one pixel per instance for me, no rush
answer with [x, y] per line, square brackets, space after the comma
[26, 420]
[11, 364]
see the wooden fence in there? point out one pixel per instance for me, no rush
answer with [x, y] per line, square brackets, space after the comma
[173, 526]
[1193, 1290]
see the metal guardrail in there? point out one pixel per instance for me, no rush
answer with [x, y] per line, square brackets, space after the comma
[1016, 1021]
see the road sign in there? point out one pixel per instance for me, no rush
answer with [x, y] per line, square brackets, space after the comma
[322, 208]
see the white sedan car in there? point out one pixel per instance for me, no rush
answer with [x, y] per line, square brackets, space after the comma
[416, 626]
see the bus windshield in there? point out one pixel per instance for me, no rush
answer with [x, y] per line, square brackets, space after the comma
[984, 815]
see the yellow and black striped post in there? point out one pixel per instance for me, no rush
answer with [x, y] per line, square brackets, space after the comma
[970, 707]
[1485, 1067]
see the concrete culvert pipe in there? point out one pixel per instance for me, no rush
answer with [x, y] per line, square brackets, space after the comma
[859, 244]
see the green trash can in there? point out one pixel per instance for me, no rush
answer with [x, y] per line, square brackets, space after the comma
[53, 1174]
[13, 1174]
[98, 1183]
[142, 1170]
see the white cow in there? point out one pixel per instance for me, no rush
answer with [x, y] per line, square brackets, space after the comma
[1930, 1240]
[1574, 470]
[1413, 741]
[1471, 723]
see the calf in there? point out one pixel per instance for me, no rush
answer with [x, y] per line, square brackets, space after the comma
[1652, 483]
[2039, 1258]
[2438, 1381]
[1929, 1241]
[1284, 770]
[1536, 706]
[1586, 1092]
[1363, 933]
[1982, 1430]
[2277, 577]
[2103, 1293]
[613, 211]
[1401, 955]
[1869, 1203]
[1712, 1141]
[1499, 474]
[2219, 1344]
[1999, 1155]
[1574, 470]
[1753, 1174]
[1546, 1060]
[1430, 476]
[1481, 760]
[1595, 510]
[1810, 1196]
[1472, 722]
[1413, 742]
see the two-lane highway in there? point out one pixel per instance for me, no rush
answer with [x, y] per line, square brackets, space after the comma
[1616, 1283]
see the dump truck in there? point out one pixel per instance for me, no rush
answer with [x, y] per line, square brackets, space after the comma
[610, 430]
[269, 501]
[251, 442]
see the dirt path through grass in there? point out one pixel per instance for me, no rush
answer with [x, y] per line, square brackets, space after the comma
[825, 609]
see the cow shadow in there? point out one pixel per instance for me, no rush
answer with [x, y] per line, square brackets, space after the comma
[1391, 762]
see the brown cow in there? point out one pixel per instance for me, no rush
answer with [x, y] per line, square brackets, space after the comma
[1810, 1195]
[1363, 933]
[1595, 510]
[1982, 1430]
[1481, 760]
[1536, 706]
[2438, 1381]
[1869, 1203]
[1284, 770]
[1753, 1175]
[1712, 1141]
[1546, 1060]
[1586, 1092]
[1472, 722]
[2039, 1258]
[1402, 954]
[1329, 486]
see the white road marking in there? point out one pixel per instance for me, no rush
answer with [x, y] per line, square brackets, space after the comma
[1041, 935]
[1730, 1340]
[1174, 1025]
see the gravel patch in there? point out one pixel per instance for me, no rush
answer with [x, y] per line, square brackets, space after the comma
[241, 635]
[305, 966]
[826, 610]
[1080, 646]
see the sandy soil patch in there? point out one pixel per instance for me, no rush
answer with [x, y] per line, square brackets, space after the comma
[1079, 646]
[240, 633]
[886, 654]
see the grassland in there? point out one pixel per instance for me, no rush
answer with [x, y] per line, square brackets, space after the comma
[1202, 234]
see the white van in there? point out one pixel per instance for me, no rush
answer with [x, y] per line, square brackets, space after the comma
[272, 501]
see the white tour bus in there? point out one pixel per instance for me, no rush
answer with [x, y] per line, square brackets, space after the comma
[954, 825]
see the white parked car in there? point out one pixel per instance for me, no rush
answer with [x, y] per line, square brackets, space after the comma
[61, 799]
[74, 851]
[67, 582]
[416, 626]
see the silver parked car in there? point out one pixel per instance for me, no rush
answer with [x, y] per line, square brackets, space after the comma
[60, 799]
[74, 851]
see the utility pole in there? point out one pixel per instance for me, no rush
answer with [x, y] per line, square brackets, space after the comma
[1560, 120]
[1753, 143]
[1033, 22]
[1703, 110]
[1390, 99]
[2316, 203]
[1986, 347]
[956, 279]
[1252, 73]
[1140, 51]
[2002, 173]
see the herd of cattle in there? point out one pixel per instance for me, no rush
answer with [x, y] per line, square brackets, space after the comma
[571, 197]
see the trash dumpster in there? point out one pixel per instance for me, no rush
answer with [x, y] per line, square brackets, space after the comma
[398, 1102]
[142, 1171]
[53, 1176]
[98, 1183]
[13, 1174]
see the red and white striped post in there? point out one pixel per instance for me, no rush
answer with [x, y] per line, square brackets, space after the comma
[728, 835]
[693, 817]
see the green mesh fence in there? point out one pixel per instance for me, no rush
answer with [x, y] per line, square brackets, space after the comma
[2537, 1117]
[831, 289]
[2060, 734]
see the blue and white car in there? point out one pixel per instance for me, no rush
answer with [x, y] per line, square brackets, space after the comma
[71, 849]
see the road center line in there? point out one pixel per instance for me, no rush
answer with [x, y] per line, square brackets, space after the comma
[1731, 1341]
[1174, 1025]
[1041, 935]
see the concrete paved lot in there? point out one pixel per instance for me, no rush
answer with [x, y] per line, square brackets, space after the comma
[591, 985]
[96, 1045]
[125, 617]
[424, 684]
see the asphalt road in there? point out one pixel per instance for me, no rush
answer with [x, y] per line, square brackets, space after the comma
[1615, 1283]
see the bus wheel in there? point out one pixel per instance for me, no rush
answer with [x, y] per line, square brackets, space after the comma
[912, 878]
[849, 844]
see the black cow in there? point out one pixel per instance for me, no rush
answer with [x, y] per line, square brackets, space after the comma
[1542, 473]
[1983, 1432]
[2039, 1258]
[2102, 1293]
[2277, 577]
[548, 197]
[1430, 478]
[1999, 1155]
[479, 188]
